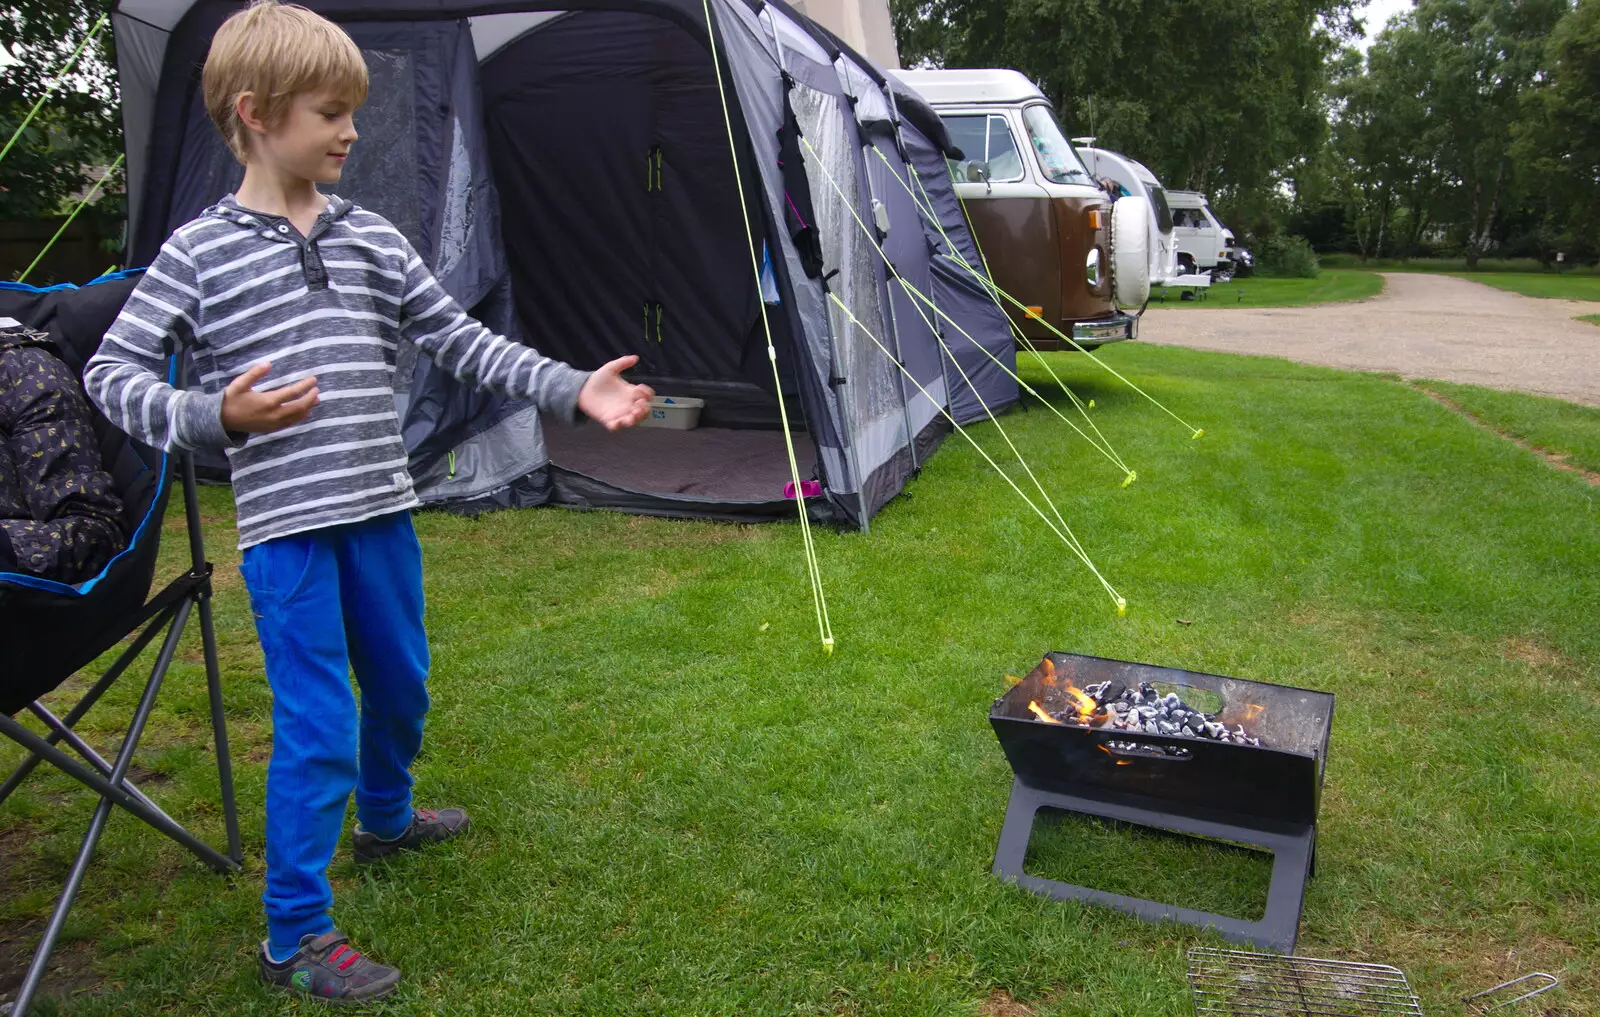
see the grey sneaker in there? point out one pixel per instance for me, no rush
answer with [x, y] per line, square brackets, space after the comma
[427, 827]
[327, 970]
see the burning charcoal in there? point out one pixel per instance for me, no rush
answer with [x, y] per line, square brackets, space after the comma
[1148, 691]
[1255, 741]
[1210, 716]
[1239, 733]
[1093, 691]
[1167, 727]
[1194, 724]
[1109, 691]
[1121, 707]
[1147, 712]
[1214, 730]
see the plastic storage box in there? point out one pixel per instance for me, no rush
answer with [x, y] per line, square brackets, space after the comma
[678, 413]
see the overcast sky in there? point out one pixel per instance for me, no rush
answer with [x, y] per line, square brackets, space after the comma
[1377, 14]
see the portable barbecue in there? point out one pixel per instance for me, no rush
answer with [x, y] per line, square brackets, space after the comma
[1248, 771]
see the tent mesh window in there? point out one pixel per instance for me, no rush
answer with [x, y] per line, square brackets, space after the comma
[870, 385]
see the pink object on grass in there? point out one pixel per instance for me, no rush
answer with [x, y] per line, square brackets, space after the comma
[808, 489]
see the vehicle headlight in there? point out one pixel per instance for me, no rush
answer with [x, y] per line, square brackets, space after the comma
[1092, 269]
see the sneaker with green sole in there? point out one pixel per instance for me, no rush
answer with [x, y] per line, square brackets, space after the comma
[427, 827]
[328, 970]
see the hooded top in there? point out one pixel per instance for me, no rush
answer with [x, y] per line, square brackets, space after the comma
[238, 287]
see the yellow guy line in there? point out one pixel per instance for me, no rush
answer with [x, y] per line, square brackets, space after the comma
[916, 293]
[76, 209]
[819, 601]
[1196, 431]
[1071, 542]
[925, 203]
[55, 83]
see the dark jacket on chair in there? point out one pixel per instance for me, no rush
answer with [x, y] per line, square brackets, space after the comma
[60, 517]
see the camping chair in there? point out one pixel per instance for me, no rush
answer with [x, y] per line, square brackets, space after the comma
[50, 630]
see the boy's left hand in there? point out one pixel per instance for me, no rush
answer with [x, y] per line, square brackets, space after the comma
[613, 402]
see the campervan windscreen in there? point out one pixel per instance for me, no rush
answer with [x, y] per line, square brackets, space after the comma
[1057, 158]
[1158, 196]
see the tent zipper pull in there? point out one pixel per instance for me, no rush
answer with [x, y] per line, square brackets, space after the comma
[658, 323]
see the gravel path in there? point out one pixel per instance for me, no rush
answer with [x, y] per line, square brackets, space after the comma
[1421, 326]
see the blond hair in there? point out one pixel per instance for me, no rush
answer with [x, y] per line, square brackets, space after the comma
[277, 51]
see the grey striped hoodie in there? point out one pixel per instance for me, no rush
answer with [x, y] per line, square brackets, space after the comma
[238, 287]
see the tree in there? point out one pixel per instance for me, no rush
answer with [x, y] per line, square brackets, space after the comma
[79, 128]
[1480, 58]
[1558, 136]
[1365, 153]
[1224, 99]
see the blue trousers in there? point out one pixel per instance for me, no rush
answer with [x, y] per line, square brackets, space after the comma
[328, 601]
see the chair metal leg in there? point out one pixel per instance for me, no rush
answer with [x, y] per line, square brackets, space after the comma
[87, 751]
[201, 568]
[219, 728]
[116, 792]
[92, 696]
[119, 773]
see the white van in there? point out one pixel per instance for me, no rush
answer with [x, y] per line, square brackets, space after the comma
[1204, 245]
[1044, 224]
[1134, 178]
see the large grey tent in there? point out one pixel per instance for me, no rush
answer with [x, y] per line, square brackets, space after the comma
[568, 175]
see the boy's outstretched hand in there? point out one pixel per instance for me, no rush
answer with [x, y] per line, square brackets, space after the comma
[613, 402]
[245, 409]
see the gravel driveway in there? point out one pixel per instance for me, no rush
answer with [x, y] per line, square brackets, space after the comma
[1421, 326]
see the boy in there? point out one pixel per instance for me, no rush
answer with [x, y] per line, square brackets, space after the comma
[292, 304]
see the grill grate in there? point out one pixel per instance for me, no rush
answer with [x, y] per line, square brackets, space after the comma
[1240, 984]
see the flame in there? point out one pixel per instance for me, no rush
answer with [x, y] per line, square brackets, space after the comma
[1124, 762]
[1085, 704]
[1038, 711]
[1252, 711]
[1048, 671]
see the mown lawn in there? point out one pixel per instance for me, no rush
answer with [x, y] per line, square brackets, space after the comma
[1563, 286]
[1331, 286]
[683, 807]
[1554, 425]
[1456, 266]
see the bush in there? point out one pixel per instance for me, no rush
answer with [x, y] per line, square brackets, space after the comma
[1287, 256]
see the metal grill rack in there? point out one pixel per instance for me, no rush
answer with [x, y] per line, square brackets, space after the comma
[1239, 984]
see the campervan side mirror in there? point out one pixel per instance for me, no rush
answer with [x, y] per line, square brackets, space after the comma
[977, 171]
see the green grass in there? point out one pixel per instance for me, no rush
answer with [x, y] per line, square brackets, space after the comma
[1329, 287]
[1566, 286]
[1553, 425]
[682, 807]
[1448, 265]
[1518, 275]
[1593, 319]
